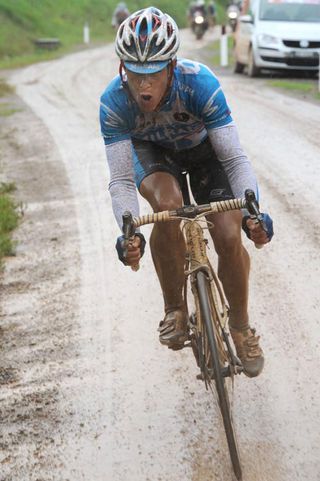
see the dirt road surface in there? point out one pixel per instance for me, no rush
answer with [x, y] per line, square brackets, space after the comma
[86, 391]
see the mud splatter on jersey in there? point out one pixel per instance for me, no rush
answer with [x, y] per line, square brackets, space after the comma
[195, 105]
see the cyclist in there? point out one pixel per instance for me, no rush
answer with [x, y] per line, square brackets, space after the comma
[120, 13]
[161, 116]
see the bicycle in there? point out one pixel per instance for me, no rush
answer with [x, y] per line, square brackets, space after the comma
[207, 323]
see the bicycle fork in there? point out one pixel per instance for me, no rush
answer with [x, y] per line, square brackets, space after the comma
[197, 260]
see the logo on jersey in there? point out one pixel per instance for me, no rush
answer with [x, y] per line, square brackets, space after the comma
[181, 116]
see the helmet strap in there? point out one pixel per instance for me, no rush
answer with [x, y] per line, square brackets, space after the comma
[124, 84]
[170, 69]
[121, 67]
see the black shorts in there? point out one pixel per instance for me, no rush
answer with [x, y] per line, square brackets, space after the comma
[208, 180]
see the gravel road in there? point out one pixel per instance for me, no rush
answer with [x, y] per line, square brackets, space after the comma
[86, 391]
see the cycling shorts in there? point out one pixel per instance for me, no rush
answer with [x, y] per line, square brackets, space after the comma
[208, 180]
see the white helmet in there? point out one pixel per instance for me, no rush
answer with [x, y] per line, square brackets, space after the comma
[147, 40]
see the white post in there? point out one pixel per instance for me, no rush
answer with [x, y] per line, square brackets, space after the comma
[319, 72]
[86, 33]
[223, 47]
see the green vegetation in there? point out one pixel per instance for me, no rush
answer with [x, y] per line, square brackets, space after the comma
[5, 89]
[9, 218]
[6, 110]
[214, 57]
[285, 84]
[303, 87]
[24, 21]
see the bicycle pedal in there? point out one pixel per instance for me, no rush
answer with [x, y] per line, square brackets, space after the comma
[201, 377]
[179, 346]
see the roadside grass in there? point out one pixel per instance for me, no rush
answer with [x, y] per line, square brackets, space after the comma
[6, 110]
[214, 57]
[5, 89]
[302, 87]
[9, 219]
[39, 55]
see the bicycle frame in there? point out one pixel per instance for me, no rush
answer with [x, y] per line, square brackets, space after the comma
[197, 260]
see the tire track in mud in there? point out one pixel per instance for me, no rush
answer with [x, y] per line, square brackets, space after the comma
[129, 409]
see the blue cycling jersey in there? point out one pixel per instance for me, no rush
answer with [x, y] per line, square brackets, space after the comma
[194, 105]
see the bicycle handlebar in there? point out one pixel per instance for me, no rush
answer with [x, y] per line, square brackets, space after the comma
[130, 223]
[190, 212]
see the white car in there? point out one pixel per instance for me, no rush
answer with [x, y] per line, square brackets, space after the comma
[278, 34]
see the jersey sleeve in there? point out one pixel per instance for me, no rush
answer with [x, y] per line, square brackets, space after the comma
[209, 100]
[121, 185]
[113, 118]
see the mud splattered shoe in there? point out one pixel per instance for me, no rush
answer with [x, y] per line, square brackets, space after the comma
[248, 350]
[173, 329]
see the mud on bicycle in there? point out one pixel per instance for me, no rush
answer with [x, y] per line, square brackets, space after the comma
[208, 313]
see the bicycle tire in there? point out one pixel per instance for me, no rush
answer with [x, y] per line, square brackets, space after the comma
[203, 287]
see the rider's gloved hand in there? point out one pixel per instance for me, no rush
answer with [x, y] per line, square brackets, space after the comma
[254, 230]
[135, 249]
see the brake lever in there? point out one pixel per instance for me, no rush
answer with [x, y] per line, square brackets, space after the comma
[255, 214]
[253, 209]
[128, 232]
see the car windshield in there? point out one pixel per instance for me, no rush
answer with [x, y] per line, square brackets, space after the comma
[290, 10]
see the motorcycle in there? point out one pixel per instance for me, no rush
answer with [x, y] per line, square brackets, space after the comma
[199, 24]
[233, 13]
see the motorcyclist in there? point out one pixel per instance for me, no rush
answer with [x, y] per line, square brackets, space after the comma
[233, 13]
[159, 116]
[120, 13]
[199, 9]
[200, 6]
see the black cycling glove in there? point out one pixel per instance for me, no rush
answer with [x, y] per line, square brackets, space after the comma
[268, 223]
[120, 246]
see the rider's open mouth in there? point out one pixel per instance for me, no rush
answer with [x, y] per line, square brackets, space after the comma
[146, 98]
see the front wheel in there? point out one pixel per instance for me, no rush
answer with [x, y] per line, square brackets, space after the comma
[253, 70]
[238, 67]
[199, 32]
[215, 365]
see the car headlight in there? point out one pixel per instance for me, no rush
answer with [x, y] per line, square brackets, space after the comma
[265, 40]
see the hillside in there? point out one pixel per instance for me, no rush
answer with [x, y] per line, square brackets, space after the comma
[23, 21]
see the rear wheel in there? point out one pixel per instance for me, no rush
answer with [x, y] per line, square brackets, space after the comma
[214, 364]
